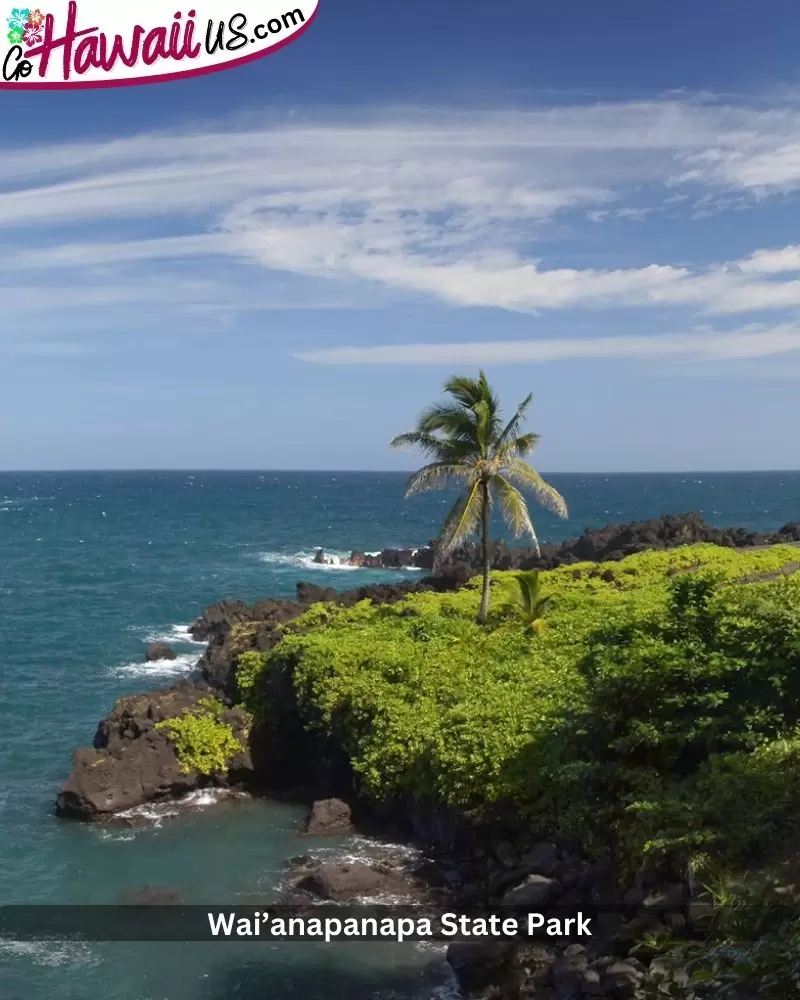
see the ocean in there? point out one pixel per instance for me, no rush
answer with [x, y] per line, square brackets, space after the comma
[95, 565]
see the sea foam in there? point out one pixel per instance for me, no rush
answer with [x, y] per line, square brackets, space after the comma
[305, 560]
[335, 561]
[49, 953]
[153, 814]
[173, 634]
[181, 666]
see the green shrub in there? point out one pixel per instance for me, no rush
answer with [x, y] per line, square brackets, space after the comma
[248, 671]
[687, 701]
[202, 741]
[752, 951]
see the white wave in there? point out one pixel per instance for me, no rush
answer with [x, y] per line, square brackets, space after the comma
[173, 635]
[396, 854]
[116, 835]
[205, 797]
[305, 560]
[368, 850]
[51, 953]
[181, 666]
[153, 814]
[445, 991]
[336, 561]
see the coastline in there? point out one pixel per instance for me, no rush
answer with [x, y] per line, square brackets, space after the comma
[477, 863]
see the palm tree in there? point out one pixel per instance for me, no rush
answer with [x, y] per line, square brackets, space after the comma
[532, 603]
[470, 445]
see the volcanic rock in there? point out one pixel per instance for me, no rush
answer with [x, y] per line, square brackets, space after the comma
[133, 762]
[159, 651]
[329, 818]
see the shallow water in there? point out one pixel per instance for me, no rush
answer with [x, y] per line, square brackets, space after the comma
[94, 565]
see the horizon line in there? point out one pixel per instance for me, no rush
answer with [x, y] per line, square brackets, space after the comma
[388, 472]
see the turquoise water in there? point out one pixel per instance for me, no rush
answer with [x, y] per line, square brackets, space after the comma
[94, 565]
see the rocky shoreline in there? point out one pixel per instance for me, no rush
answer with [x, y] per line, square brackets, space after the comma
[613, 542]
[132, 762]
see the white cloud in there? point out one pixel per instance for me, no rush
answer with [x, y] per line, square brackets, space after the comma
[453, 206]
[699, 346]
[772, 261]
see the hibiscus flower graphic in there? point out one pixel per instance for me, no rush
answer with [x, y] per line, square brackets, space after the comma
[33, 35]
[19, 18]
[15, 36]
[36, 18]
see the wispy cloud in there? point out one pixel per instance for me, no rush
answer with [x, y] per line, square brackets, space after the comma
[456, 207]
[701, 345]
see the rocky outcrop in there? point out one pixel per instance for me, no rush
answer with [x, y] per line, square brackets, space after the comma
[349, 881]
[232, 627]
[343, 882]
[133, 762]
[388, 559]
[558, 882]
[159, 651]
[329, 818]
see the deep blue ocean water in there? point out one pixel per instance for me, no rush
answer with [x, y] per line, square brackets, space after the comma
[94, 565]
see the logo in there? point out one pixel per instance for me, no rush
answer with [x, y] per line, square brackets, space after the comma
[91, 43]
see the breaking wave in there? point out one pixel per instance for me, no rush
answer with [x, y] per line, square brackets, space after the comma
[305, 560]
[173, 635]
[153, 814]
[335, 561]
[183, 665]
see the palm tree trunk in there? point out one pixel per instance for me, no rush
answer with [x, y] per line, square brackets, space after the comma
[487, 562]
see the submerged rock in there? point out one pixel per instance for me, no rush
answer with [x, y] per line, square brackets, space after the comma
[159, 651]
[343, 882]
[151, 895]
[351, 881]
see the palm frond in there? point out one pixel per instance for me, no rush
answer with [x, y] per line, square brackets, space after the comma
[453, 421]
[531, 600]
[463, 519]
[511, 429]
[492, 405]
[466, 391]
[516, 447]
[483, 428]
[526, 585]
[428, 444]
[527, 477]
[512, 504]
[437, 476]
[440, 449]
[471, 394]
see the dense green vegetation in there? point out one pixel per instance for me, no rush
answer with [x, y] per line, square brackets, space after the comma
[664, 687]
[657, 717]
[203, 740]
[471, 445]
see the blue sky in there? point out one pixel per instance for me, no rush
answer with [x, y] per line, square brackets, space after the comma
[278, 265]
